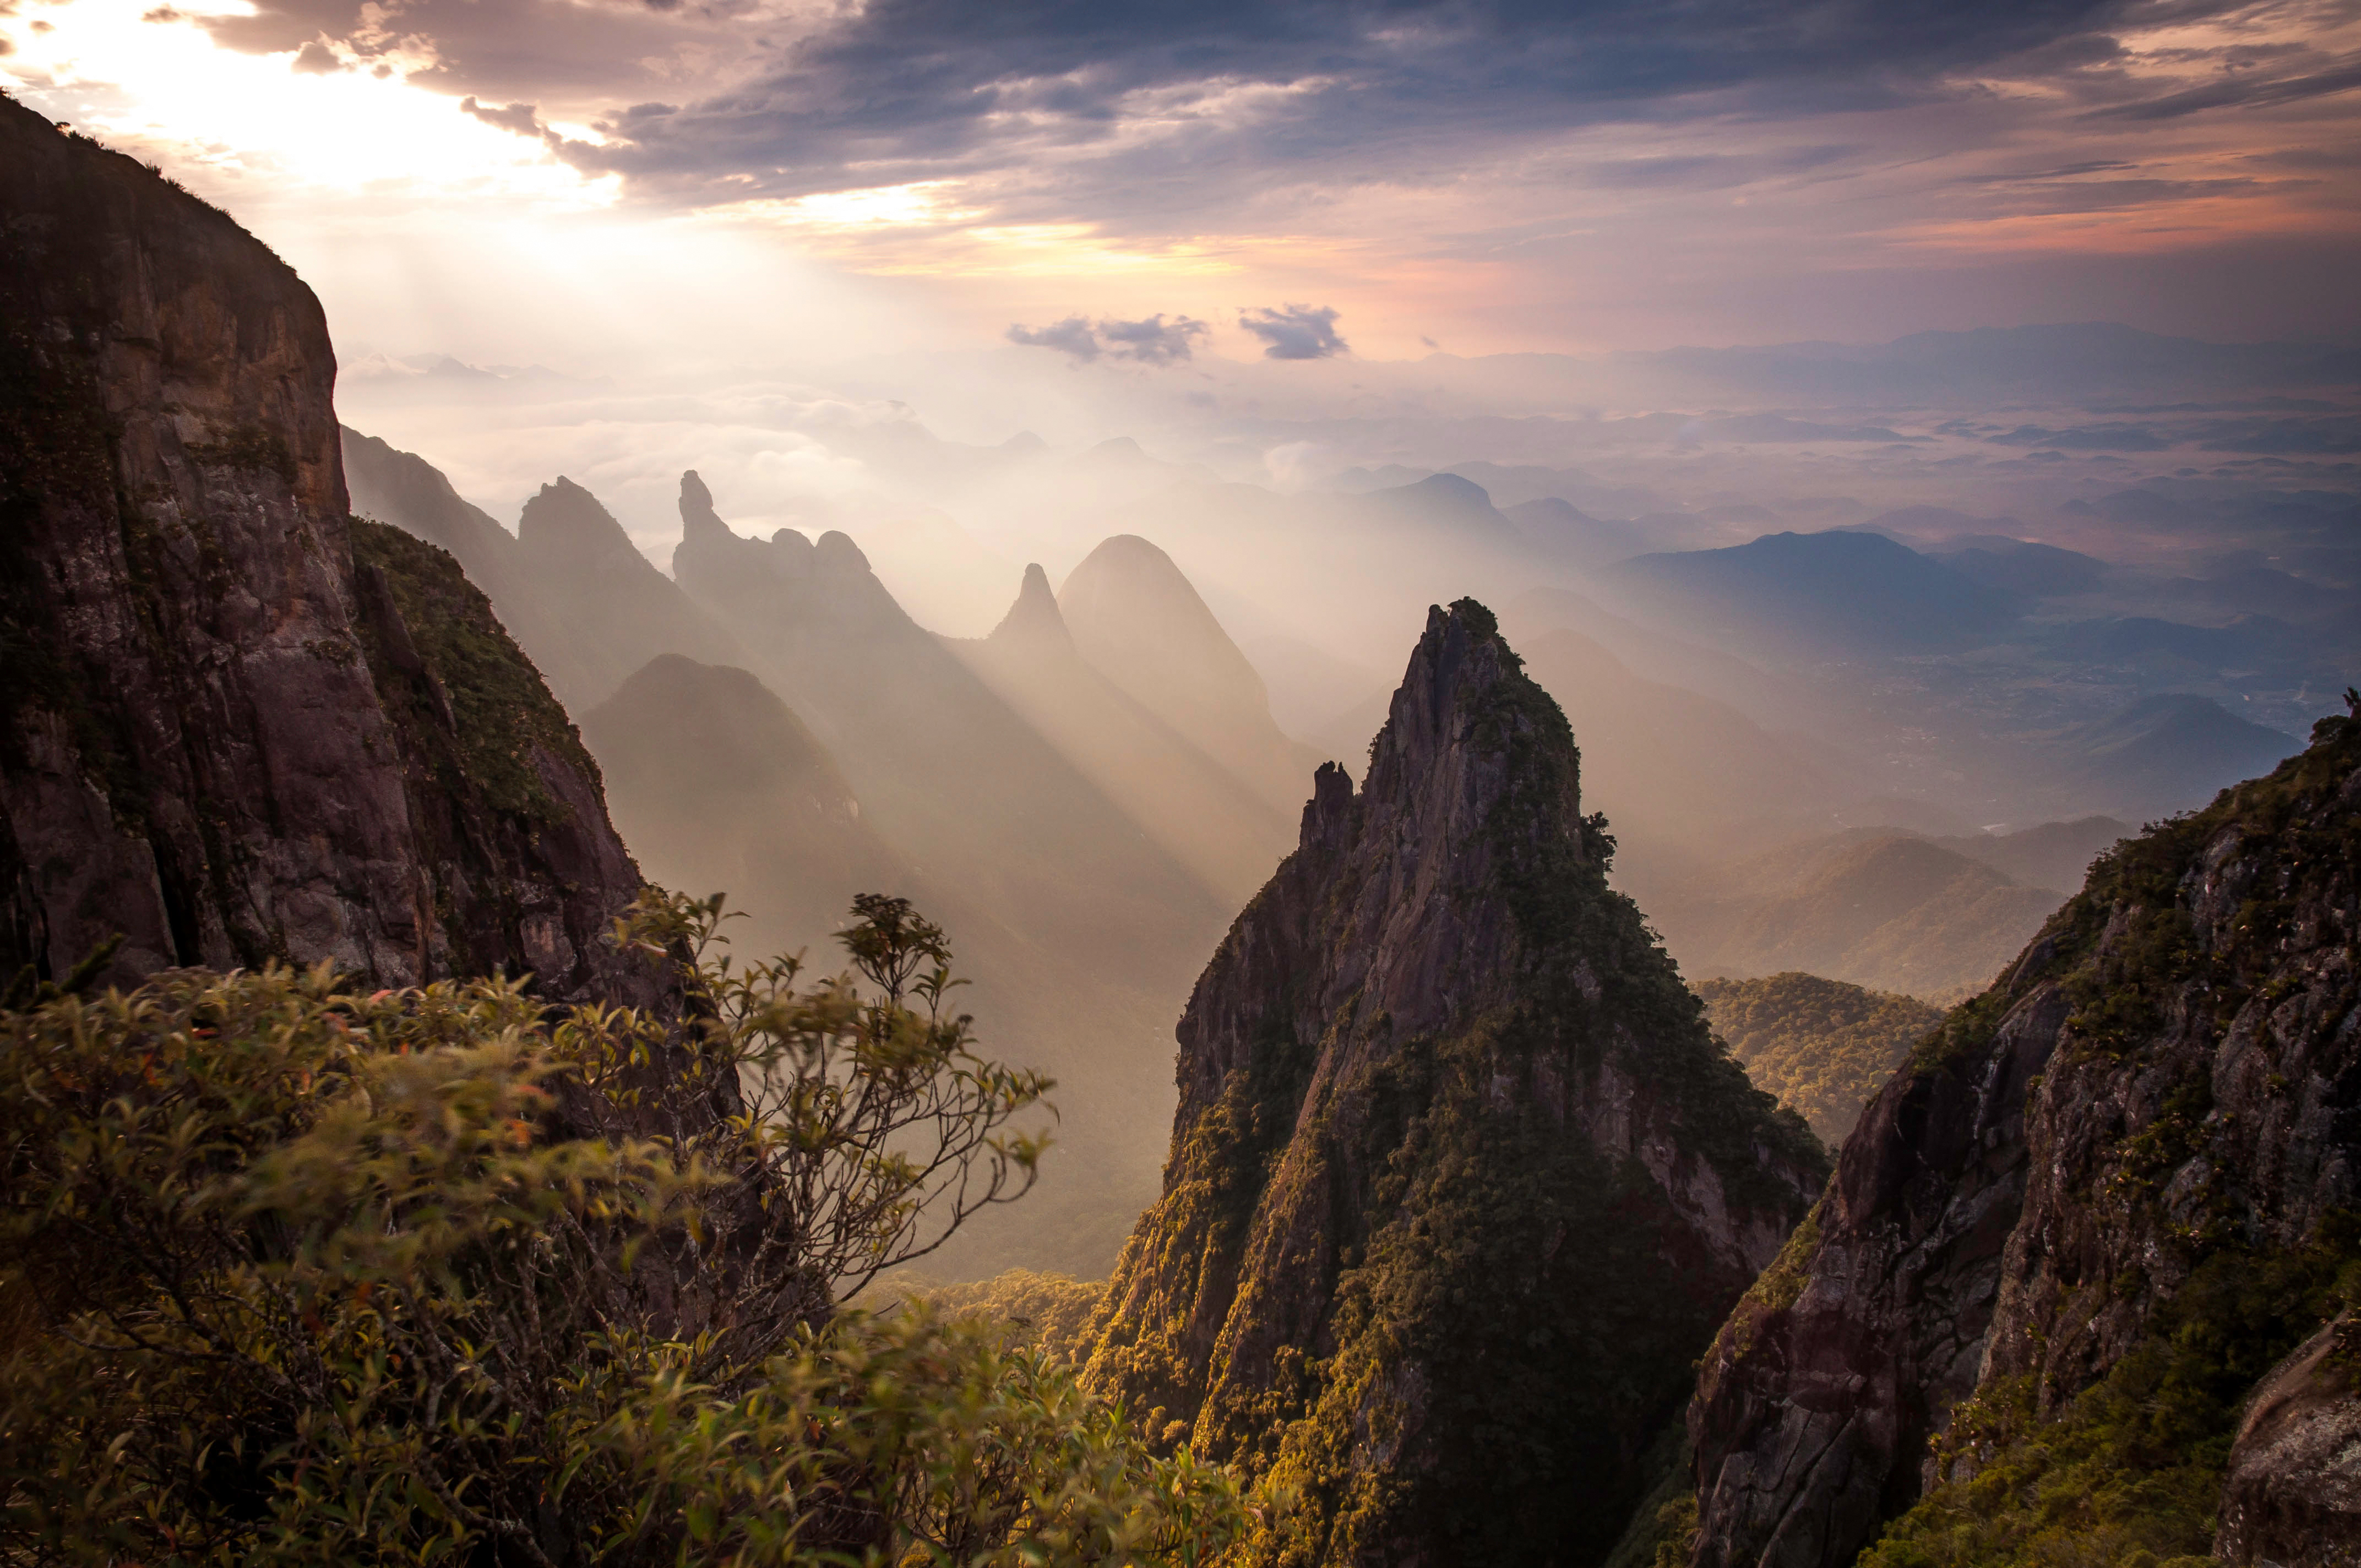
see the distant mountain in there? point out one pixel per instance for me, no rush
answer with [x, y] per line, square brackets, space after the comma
[2171, 752]
[1563, 533]
[1889, 911]
[1820, 1045]
[1664, 761]
[1440, 503]
[1835, 593]
[2017, 566]
[719, 787]
[569, 586]
[2055, 854]
[1195, 809]
[1139, 621]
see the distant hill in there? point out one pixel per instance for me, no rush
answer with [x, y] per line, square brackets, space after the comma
[1887, 910]
[2017, 566]
[1663, 761]
[585, 573]
[1829, 594]
[2055, 854]
[1820, 1045]
[719, 787]
[2171, 752]
[1561, 531]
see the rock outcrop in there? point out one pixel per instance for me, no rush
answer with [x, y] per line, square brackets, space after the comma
[234, 726]
[1460, 1182]
[2166, 1087]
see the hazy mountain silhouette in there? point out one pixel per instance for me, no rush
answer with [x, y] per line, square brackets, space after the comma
[719, 787]
[1833, 594]
[947, 770]
[2055, 854]
[1197, 810]
[1661, 761]
[1140, 623]
[1560, 532]
[1887, 910]
[2018, 566]
[2165, 754]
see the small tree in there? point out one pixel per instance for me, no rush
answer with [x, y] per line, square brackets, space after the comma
[292, 1272]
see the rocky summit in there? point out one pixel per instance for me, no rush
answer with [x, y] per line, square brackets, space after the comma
[1459, 1182]
[237, 725]
[2069, 1239]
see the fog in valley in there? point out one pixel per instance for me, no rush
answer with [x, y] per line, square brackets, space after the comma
[1869, 649]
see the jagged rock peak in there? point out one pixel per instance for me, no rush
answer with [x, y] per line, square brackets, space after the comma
[697, 514]
[1446, 1110]
[1033, 620]
[564, 518]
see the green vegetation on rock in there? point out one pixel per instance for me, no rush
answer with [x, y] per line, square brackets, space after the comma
[2128, 1473]
[1820, 1047]
[501, 711]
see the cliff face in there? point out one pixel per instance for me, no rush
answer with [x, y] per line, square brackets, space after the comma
[1459, 1181]
[2166, 1088]
[233, 726]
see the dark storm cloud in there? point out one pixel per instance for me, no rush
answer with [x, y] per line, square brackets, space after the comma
[1151, 341]
[1295, 332]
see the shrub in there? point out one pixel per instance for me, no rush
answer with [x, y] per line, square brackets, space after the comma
[294, 1272]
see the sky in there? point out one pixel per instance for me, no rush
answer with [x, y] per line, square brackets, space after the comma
[609, 184]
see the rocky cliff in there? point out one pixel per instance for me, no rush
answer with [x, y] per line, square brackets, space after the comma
[1459, 1182]
[234, 725]
[2077, 1227]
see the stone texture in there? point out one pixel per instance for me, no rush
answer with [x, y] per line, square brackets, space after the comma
[2294, 1497]
[218, 737]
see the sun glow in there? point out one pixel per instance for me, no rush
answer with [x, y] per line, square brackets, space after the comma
[150, 80]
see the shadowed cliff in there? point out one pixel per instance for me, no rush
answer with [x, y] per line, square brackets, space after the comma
[234, 726]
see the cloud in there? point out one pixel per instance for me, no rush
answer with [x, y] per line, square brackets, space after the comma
[1150, 341]
[1072, 336]
[1153, 341]
[1295, 332]
[2244, 89]
[316, 59]
[523, 119]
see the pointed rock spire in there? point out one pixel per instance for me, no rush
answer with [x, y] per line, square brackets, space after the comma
[1033, 621]
[697, 518]
[1457, 1160]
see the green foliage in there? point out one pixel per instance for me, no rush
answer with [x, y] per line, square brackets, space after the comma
[1048, 1313]
[2129, 1472]
[1820, 1047]
[294, 1273]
